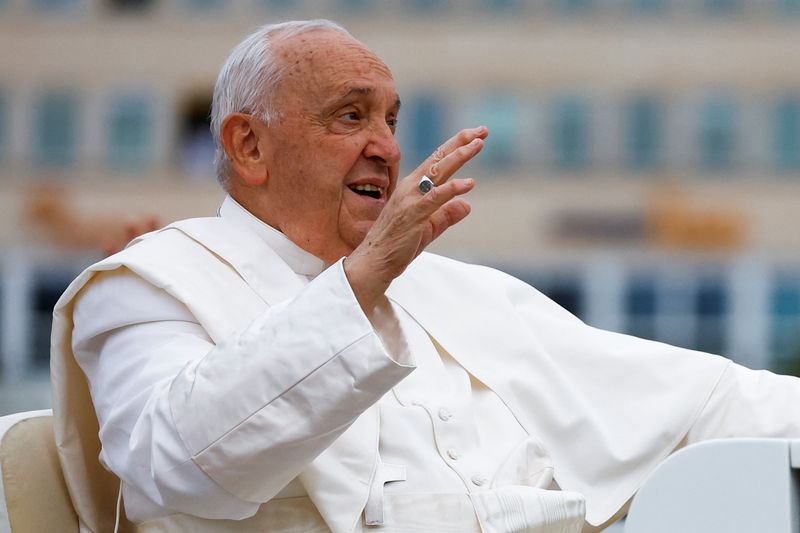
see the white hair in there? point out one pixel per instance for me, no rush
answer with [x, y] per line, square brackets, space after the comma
[249, 78]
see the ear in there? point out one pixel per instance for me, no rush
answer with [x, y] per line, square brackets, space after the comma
[244, 140]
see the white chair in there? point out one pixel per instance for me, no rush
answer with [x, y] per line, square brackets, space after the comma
[33, 494]
[722, 486]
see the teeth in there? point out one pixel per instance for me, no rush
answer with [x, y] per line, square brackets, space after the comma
[367, 187]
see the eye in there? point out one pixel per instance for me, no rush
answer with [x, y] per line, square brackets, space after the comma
[350, 116]
[392, 123]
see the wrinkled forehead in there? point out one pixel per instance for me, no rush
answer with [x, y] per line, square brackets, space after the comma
[322, 59]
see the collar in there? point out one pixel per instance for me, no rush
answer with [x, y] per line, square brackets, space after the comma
[301, 262]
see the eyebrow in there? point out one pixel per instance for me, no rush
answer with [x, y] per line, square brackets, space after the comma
[366, 91]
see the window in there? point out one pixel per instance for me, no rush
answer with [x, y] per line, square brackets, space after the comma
[4, 127]
[785, 311]
[48, 288]
[566, 293]
[427, 126]
[196, 147]
[717, 134]
[55, 130]
[643, 136]
[500, 114]
[129, 132]
[641, 297]
[570, 134]
[711, 309]
[563, 287]
[787, 134]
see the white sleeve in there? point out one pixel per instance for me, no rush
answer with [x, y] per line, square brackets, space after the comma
[750, 403]
[215, 430]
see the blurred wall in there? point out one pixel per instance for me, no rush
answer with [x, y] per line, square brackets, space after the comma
[643, 166]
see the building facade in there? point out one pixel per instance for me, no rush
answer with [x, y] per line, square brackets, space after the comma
[643, 166]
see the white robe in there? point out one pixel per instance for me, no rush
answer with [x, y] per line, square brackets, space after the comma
[607, 406]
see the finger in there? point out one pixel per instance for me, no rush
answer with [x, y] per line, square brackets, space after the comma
[440, 172]
[439, 196]
[448, 215]
[461, 138]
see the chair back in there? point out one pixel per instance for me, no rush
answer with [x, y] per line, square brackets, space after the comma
[33, 493]
[722, 486]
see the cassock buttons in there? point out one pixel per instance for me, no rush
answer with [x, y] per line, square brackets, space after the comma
[453, 454]
[445, 415]
[478, 480]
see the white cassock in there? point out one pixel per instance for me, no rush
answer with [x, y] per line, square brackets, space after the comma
[238, 386]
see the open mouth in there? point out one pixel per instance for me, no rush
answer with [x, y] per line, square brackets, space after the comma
[372, 191]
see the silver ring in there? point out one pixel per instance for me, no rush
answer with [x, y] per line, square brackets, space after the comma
[425, 184]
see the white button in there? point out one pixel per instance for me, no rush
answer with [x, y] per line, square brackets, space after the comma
[453, 454]
[445, 415]
[478, 480]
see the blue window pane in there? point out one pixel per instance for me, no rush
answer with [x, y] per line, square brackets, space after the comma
[640, 297]
[641, 305]
[426, 126]
[787, 134]
[55, 130]
[129, 132]
[500, 114]
[570, 133]
[711, 308]
[643, 134]
[717, 134]
[567, 294]
[785, 313]
[786, 299]
[711, 299]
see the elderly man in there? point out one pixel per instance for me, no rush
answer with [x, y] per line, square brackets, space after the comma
[298, 364]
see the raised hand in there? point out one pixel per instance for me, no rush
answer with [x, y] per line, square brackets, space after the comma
[411, 220]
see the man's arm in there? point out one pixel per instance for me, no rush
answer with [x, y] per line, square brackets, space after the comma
[165, 395]
[749, 403]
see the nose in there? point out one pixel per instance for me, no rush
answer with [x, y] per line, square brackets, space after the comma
[382, 146]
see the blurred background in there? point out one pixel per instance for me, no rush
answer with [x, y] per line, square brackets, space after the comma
[643, 167]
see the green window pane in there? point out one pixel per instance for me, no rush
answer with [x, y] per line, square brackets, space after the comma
[643, 135]
[500, 114]
[570, 126]
[787, 134]
[55, 130]
[717, 134]
[129, 132]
